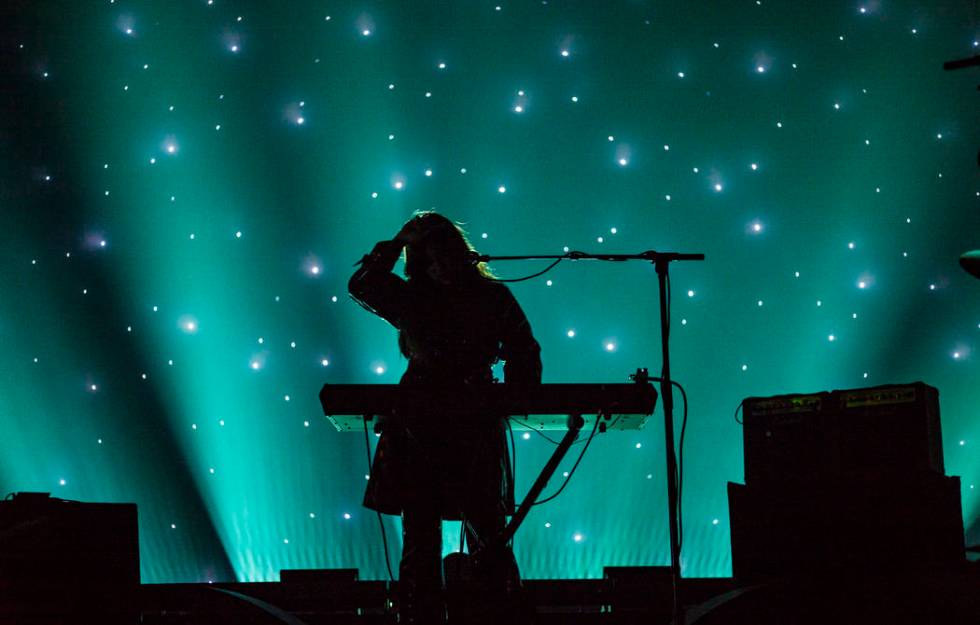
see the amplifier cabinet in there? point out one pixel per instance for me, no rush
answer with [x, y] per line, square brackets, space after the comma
[880, 431]
[68, 561]
[853, 526]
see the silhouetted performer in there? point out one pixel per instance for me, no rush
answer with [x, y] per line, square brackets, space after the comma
[453, 324]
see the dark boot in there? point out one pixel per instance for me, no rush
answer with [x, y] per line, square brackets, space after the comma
[420, 606]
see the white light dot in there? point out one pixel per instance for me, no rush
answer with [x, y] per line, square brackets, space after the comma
[690, 293]
[564, 53]
[639, 445]
[831, 338]
[547, 525]
[285, 397]
[324, 362]
[428, 173]
[718, 187]
[570, 334]
[526, 436]
[745, 367]
[760, 69]
[366, 32]
[442, 66]
[518, 109]
[754, 166]
[623, 162]
[578, 537]
[379, 370]
[347, 516]
[574, 98]
[680, 74]
[610, 346]
[714, 521]
[62, 481]
[501, 189]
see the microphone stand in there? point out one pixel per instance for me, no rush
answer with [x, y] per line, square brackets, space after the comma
[661, 261]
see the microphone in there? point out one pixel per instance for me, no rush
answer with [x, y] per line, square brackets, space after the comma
[473, 257]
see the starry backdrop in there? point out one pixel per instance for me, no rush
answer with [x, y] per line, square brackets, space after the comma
[185, 186]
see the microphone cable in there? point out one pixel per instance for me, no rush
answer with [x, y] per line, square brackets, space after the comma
[381, 523]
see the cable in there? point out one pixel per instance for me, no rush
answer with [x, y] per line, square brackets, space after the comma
[595, 428]
[680, 469]
[384, 535]
[533, 275]
[513, 454]
[535, 430]
[680, 460]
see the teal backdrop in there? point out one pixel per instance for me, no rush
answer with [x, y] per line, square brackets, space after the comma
[185, 185]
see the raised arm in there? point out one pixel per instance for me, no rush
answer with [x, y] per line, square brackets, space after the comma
[376, 288]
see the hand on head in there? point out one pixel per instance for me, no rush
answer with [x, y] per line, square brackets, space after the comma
[409, 234]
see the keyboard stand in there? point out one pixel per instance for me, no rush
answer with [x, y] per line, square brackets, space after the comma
[575, 423]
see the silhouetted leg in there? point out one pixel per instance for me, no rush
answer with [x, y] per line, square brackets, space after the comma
[494, 568]
[420, 571]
